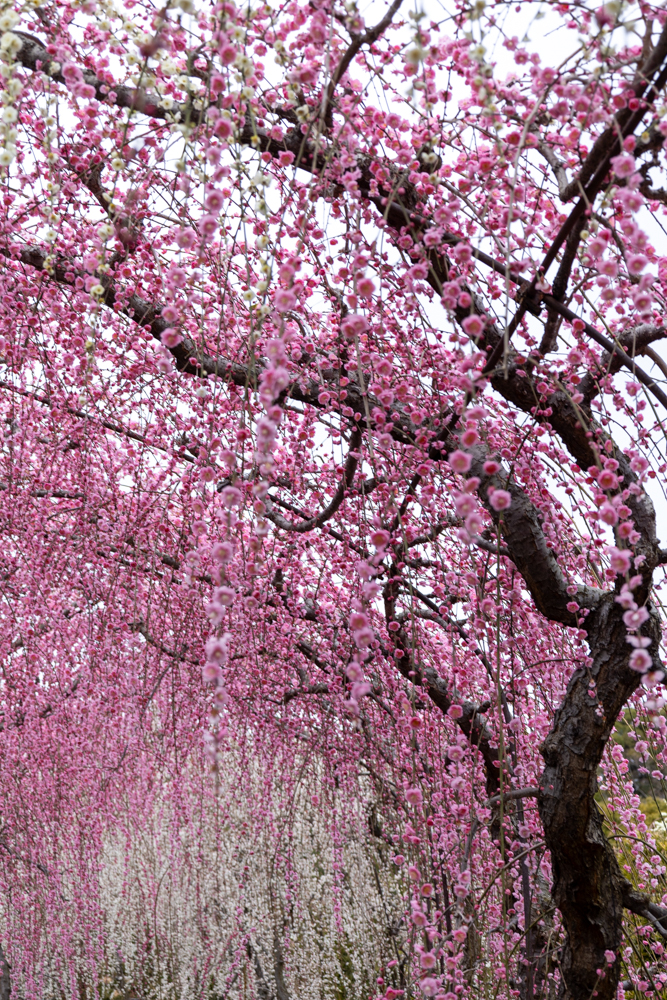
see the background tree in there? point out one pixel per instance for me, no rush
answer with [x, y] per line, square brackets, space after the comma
[325, 435]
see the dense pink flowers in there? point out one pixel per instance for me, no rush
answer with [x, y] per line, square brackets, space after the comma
[260, 323]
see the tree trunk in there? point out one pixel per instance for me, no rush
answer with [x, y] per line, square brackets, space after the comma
[588, 884]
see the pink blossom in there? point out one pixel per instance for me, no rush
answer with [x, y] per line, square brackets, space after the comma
[358, 620]
[642, 301]
[427, 961]
[429, 987]
[473, 326]
[607, 480]
[208, 225]
[359, 690]
[211, 672]
[365, 287]
[72, 73]
[634, 618]
[500, 499]
[652, 678]
[608, 267]
[228, 54]
[223, 128]
[640, 660]
[214, 200]
[170, 312]
[465, 504]
[380, 539]
[619, 559]
[353, 325]
[636, 262]
[623, 165]
[224, 596]
[284, 300]
[222, 552]
[638, 641]
[354, 671]
[216, 649]
[171, 337]
[608, 513]
[491, 467]
[231, 496]
[364, 637]
[625, 598]
[474, 523]
[414, 796]
[460, 461]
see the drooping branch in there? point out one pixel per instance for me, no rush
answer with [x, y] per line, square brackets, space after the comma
[368, 37]
[337, 499]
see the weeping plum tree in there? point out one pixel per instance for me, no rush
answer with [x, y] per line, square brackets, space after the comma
[332, 413]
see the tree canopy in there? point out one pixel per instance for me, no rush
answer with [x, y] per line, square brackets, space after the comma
[333, 436]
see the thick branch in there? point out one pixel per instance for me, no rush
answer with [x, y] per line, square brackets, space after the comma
[641, 904]
[34, 56]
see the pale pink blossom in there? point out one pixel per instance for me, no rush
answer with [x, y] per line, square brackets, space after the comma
[623, 165]
[284, 300]
[640, 660]
[619, 559]
[634, 618]
[500, 500]
[460, 461]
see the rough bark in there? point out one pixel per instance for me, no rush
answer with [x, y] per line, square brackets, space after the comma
[588, 886]
[5, 977]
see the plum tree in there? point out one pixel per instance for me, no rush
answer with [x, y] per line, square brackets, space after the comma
[326, 439]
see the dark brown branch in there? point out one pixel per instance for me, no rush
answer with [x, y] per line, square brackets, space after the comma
[53, 494]
[515, 793]
[44, 712]
[337, 499]
[368, 38]
[588, 194]
[615, 348]
[641, 904]
[471, 722]
[84, 415]
[605, 146]
[33, 56]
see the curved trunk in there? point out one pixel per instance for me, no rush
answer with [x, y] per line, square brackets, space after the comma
[588, 884]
